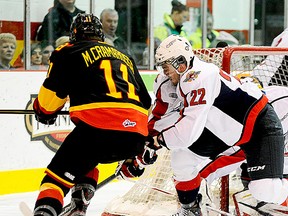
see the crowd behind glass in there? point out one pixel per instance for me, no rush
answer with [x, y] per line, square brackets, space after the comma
[125, 26]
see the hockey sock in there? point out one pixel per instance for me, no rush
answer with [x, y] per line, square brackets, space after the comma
[187, 191]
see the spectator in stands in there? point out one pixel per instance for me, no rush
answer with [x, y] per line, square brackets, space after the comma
[36, 57]
[58, 20]
[196, 37]
[47, 50]
[62, 40]
[7, 50]
[224, 37]
[173, 23]
[109, 18]
[240, 36]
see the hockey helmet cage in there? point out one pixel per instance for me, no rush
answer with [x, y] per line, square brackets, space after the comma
[174, 50]
[86, 26]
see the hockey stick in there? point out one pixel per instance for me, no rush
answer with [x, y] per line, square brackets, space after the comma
[100, 185]
[25, 210]
[27, 112]
[106, 181]
[66, 208]
[210, 208]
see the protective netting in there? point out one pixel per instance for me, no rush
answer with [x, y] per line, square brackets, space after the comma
[154, 186]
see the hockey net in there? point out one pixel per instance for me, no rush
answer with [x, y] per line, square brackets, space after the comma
[153, 193]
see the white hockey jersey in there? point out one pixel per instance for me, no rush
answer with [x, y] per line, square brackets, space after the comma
[165, 111]
[163, 90]
[218, 111]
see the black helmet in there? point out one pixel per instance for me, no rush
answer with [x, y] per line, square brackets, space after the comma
[86, 26]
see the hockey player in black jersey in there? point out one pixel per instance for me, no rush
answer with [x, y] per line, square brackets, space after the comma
[109, 106]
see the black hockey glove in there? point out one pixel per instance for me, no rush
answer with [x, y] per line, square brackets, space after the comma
[129, 169]
[149, 155]
[42, 117]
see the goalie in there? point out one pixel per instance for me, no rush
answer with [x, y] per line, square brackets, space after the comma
[218, 114]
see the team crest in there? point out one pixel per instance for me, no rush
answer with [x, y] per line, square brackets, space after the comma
[51, 135]
[191, 75]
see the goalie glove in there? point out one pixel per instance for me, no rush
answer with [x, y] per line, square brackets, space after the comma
[47, 119]
[129, 169]
[149, 155]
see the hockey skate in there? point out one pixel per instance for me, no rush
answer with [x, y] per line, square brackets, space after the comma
[81, 196]
[192, 209]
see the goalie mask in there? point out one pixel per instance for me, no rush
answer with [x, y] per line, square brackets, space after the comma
[86, 26]
[174, 50]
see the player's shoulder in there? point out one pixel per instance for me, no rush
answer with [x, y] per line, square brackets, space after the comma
[207, 67]
[159, 80]
[201, 71]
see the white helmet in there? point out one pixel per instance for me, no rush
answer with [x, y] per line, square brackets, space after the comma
[174, 50]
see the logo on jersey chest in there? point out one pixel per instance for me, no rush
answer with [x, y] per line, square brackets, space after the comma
[191, 75]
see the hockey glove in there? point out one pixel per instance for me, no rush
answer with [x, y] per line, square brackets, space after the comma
[47, 119]
[149, 155]
[129, 169]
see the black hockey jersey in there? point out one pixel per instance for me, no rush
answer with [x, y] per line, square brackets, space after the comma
[103, 84]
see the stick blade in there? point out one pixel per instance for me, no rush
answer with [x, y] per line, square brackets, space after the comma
[25, 210]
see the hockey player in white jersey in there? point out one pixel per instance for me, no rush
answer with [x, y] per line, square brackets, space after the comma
[167, 108]
[218, 113]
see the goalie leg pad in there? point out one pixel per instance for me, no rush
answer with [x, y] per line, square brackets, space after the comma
[269, 190]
